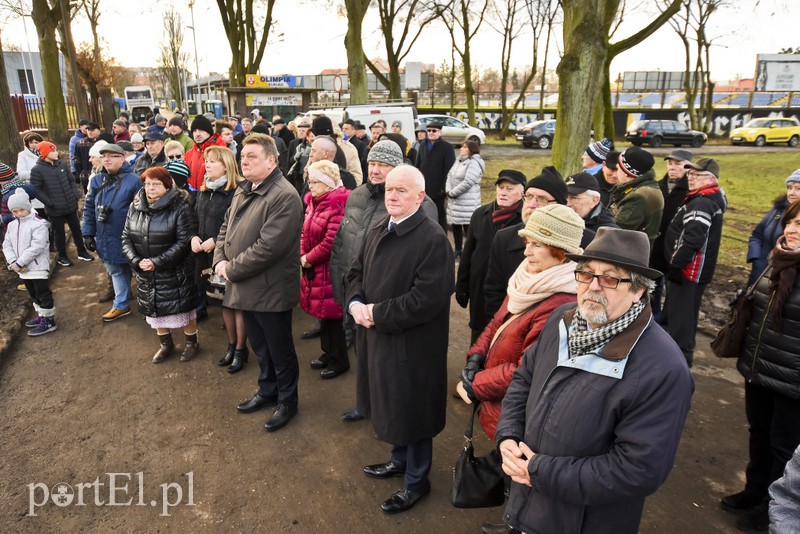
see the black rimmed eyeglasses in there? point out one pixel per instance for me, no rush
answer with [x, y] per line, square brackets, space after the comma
[605, 280]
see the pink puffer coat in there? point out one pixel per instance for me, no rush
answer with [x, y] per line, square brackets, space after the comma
[323, 216]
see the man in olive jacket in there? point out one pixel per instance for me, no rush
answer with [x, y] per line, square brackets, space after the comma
[258, 253]
[398, 292]
[636, 200]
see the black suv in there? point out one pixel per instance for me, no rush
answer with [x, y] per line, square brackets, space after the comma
[659, 132]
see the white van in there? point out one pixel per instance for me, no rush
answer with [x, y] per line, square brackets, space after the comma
[366, 114]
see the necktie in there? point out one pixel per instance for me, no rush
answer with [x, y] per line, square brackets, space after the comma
[392, 226]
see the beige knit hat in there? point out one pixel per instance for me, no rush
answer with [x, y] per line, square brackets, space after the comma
[555, 225]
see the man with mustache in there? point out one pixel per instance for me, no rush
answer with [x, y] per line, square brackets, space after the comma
[592, 420]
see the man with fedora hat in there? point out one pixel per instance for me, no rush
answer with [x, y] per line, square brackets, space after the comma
[592, 420]
[691, 245]
[505, 211]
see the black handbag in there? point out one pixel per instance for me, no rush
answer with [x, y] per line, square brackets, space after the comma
[730, 338]
[477, 482]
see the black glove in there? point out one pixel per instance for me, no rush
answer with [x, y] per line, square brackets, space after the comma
[89, 242]
[674, 275]
[462, 299]
[474, 366]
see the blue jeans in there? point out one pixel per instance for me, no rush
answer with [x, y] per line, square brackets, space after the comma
[121, 279]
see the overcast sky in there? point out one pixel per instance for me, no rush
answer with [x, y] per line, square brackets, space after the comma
[313, 38]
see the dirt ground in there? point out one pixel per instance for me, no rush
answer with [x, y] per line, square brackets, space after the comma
[85, 401]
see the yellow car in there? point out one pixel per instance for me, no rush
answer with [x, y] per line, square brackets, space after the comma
[759, 132]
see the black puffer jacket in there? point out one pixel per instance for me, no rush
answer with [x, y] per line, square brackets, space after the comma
[210, 209]
[771, 357]
[55, 187]
[161, 232]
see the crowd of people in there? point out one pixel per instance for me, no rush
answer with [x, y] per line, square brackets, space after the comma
[583, 291]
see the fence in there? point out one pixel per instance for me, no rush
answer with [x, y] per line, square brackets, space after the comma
[30, 112]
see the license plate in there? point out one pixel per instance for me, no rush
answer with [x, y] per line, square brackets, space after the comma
[736, 138]
[520, 137]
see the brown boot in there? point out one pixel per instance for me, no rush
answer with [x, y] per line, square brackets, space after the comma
[191, 348]
[166, 348]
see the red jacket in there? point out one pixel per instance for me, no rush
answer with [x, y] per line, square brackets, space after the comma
[503, 358]
[323, 216]
[197, 163]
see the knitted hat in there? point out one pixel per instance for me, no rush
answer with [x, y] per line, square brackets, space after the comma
[600, 149]
[550, 180]
[202, 123]
[94, 152]
[555, 225]
[45, 148]
[179, 171]
[176, 120]
[6, 172]
[137, 138]
[159, 118]
[19, 200]
[636, 161]
[387, 152]
[794, 177]
[261, 128]
[322, 125]
[120, 122]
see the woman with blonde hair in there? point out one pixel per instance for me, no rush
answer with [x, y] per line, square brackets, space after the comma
[215, 195]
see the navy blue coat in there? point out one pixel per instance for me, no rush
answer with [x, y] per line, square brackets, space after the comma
[764, 237]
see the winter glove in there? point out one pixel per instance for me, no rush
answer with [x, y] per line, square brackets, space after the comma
[674, 275]
[474, 366]
[89, 242]
[462, 299]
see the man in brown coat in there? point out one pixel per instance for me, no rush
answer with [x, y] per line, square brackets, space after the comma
[259, 256]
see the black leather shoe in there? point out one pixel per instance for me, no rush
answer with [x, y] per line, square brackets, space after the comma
[352, 416]
[403, 500]
[332, 373]
[319, 363]
[739, 502]
[283, 414]
[256, 403]
[387, 470]
[312, 333]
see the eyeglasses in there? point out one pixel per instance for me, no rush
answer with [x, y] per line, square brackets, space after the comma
[540, 200]
[174, 156]
[433, 131]
[700, 174]
[605, 280]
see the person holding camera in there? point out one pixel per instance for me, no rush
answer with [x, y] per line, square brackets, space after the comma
[104, 212]
[325, 201]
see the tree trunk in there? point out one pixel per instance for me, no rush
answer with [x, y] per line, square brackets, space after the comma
[10, 142]
[46, 21]
[356, 66]
[469, 89]
[81, 106]
[579, 73]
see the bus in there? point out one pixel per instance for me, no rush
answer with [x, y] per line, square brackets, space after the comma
[140, 101]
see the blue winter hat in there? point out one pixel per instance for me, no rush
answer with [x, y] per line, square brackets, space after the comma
[600, 149]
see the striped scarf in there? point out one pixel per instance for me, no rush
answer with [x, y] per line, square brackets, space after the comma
[501, 216]
[582, 340]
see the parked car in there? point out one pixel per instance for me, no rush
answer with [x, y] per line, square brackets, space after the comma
[537, 133]
[762, 131]
[454, 130]
[662, 132]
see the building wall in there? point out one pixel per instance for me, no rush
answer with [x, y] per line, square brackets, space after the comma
[29, 61]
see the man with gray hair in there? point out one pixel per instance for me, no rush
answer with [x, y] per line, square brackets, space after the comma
[583, 196]
[592, 420]
[398, 292]
[324, 149]
[365, 207]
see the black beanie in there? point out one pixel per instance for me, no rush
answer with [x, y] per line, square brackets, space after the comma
[261, 128]
[202, 123]
[636, 161]
[322, 125]
[550, 180]
[176, 121]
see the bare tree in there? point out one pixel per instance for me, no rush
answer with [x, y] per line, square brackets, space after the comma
[356, 60]
[463, 19]
[403, 14]
[173, 61]
[247, 31]
[46, 19]
[10, 142]
[68, 49]
[691, 24]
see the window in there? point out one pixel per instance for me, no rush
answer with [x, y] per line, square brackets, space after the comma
[26, 84]
[681, 127]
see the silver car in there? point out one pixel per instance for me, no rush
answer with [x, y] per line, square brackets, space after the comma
[453, 130]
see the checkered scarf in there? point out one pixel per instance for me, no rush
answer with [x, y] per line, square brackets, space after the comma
[582, 340]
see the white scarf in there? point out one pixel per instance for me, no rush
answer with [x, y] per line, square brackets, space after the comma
[526, 289]
[216, 184]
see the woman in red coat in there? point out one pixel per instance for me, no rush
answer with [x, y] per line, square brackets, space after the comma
[326, 202]
[544, 281]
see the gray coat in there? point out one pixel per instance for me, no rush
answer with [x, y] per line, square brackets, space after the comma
[463, 188]
[260, 238]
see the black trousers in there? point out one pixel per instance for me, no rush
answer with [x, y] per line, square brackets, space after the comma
[331, 336]
[681, 308]
[459, 232]
[57, 222]
[270, 335]
[417, 457]
[441, 212]
[202, 261]
[774, 421]
[39, 290]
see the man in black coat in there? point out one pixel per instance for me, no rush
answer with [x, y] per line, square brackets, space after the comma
[505, 211]
[435, 159]
[55, 187]
[583, 196]
[398, 292]
[674, 186]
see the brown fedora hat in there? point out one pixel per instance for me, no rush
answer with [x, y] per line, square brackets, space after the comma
[628, 249]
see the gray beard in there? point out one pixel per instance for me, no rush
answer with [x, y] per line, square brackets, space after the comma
[590, 312]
